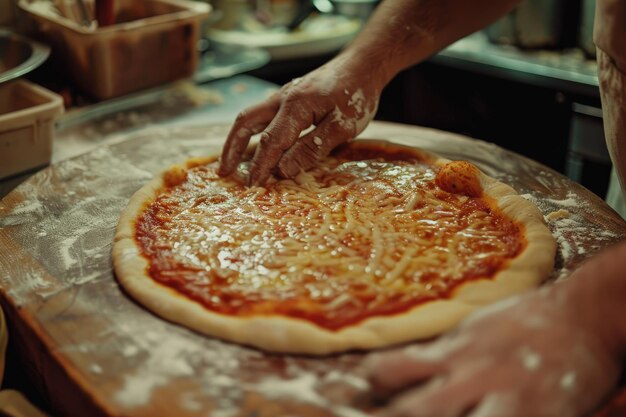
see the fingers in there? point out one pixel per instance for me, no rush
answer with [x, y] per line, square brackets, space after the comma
[390, 372]
[279, 136]
[312, 147]
[249, 122]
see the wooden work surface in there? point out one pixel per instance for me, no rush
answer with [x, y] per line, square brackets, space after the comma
[92, 351]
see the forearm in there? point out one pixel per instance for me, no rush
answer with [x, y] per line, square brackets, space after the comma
[341, 97]
[596, 297]
[404, 32]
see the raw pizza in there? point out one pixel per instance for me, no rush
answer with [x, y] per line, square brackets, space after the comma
[379, 244]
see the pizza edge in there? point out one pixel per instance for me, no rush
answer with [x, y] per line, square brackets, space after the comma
[292, 335]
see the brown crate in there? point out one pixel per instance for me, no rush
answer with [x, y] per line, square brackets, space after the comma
[154, 43]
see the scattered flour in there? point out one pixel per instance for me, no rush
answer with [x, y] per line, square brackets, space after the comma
[301, 388]
[575, 235]
[130, 350]
[568, 381]
[22, 213]
[154, 353]
[571, 201]
[358, 102]
[65, 251]
[168, 359]
[32, 283]
[95, 368]
[530, 359]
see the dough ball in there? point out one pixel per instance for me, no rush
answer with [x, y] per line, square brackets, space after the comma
[460, 177]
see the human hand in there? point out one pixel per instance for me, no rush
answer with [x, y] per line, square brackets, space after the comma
[339, 99]
[523, 357]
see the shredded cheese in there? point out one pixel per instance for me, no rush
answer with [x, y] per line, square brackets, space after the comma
[347, 233]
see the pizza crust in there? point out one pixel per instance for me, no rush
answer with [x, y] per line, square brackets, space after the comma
[283, 334]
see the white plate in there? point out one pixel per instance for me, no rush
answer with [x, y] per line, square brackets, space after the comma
[18, 55]
[320, 35]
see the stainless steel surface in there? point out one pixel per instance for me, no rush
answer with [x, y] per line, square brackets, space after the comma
[19, 55]
[567, 71]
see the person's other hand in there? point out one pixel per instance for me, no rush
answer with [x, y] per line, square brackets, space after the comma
[339, 99]
[524, 357]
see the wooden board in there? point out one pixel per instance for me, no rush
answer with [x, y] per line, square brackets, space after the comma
[92, 351]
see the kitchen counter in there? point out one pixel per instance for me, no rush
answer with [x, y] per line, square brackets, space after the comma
[564, 70]
[92, 351]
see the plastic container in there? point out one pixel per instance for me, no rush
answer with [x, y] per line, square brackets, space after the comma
[27, 114]
[154, 43]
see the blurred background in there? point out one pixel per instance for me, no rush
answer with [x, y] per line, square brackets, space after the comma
[527, 83]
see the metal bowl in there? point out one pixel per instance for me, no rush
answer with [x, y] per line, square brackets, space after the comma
[19, 55]
[361, 9]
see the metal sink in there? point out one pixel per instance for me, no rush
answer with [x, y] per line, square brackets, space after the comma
[19, 55]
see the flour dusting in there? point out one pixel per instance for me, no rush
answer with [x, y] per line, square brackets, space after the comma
[568, 381]
[530, 359]
[575, 235]
[65, 216]
[302, 388]
[358, 102]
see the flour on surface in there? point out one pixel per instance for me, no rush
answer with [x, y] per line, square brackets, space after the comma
[301, 389]
[67, 220]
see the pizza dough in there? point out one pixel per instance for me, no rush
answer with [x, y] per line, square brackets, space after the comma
[191, 258]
